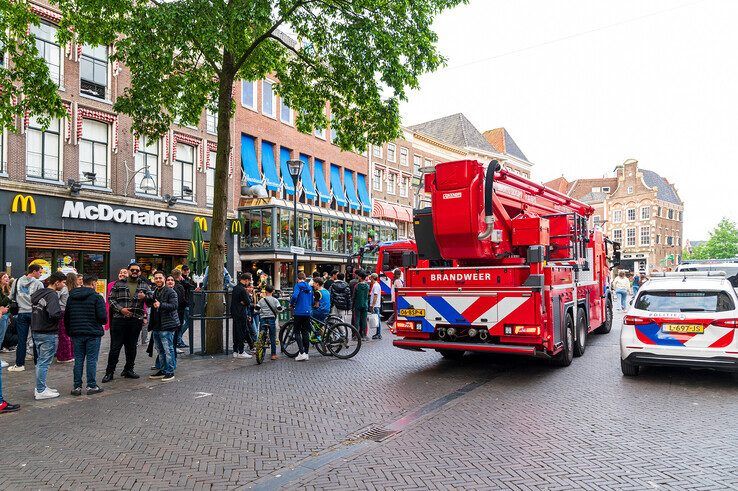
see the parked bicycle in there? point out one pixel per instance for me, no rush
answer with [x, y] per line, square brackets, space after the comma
[331, 338]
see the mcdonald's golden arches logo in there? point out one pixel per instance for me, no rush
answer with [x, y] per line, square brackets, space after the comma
[26, 204]
[236, 227]
[203, 223]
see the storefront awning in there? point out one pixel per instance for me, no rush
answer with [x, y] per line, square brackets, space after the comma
[392, 212]
[307, 178]
[404, 214]
[353, 199]
[366, 202]
[323, 192]
[248, 160]
[269, 166]
[284, 156]
[337, 186]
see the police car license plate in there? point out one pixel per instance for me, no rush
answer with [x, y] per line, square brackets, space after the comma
[684, 328]
[412, 312]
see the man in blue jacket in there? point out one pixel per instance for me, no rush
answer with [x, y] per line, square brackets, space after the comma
[302, 306]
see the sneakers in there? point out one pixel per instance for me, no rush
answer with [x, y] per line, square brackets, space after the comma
[377, 336]
[274, 357]
[242, 355]
[91, 391]
[77, 391]
[302, 357]
[3, 364]
[157, 375]
[6, 407]
[46, 394]
[236, 355]
[168, 377]
[180, 351]
[16, 368]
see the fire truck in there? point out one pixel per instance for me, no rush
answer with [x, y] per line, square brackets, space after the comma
[528, 276]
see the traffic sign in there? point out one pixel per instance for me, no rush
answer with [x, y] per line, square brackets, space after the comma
[300, 251]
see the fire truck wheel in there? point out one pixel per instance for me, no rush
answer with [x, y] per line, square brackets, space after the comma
[564, 358]
[580, 343]
[451, 354]
[607, 325]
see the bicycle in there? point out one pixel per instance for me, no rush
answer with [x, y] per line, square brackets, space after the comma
[330, 338]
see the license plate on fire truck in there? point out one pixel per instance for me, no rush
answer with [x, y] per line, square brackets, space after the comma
[412, 312]
[684, 328]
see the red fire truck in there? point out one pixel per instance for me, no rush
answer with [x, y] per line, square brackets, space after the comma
[528, 276]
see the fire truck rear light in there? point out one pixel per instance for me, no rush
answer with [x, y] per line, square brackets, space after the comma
[528, 330]
[404, 325]
[632, 320]
[726, 323]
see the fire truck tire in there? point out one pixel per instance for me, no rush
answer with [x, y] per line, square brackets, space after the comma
[629, 369]
[607, 325]
[565, 357]
[580, 341]
[451, 354]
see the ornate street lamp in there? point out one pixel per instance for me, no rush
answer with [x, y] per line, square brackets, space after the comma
[295, 169]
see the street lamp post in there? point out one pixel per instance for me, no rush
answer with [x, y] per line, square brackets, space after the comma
[295, 169]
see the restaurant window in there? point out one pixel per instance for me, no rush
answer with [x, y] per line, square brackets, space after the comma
[318, 231]
[248, 94]
[284, 228]
[391, 152]
[268, 99]
[82, 262]
[404, 155]
[93, 151]
[48, 49]
[147, 157]
[210, 180]
[93, 71]
[257, 229]
[184, 172]
[42, 150]
[304, 232]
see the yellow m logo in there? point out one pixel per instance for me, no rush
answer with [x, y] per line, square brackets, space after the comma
[25, 203]
[203, 223]
[236, 227]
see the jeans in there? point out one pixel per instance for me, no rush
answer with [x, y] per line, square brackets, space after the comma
[302, 332]
[635, 289]
[46, 346]
[85, 347]
[255, 323]
[22, 326]
[185, 325]
[4, 321]
[164, 343]
[123, 332]
[270, 323]
[623, 294]
[379, 321]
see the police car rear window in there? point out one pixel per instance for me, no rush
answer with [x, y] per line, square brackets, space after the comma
[684, 301]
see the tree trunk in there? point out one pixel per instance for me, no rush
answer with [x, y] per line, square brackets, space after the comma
[217, 251]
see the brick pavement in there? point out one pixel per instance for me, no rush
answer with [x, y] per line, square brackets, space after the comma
[527, 426]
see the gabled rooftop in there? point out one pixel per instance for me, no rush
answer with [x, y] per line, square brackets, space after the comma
[456, 130]
[500, 139]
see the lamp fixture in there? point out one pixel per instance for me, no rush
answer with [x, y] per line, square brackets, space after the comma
[75, 186]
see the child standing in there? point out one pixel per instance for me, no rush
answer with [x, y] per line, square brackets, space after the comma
[268, 309]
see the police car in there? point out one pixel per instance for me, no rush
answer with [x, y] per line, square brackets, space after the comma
[685, 319]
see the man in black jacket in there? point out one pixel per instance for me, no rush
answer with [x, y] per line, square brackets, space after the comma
[163, 323]
[174, 282]
[45, 314]
[189, 288]
[241, 307]
[84, 319]
[341, 297]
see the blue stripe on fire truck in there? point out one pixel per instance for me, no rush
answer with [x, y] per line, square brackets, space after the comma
[425, 325]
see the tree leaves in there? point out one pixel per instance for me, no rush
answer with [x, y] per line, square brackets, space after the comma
[722, 244]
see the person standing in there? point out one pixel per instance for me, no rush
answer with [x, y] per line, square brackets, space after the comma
[240, 307]
[176, 285]
[361, 304]
[636, 283]
[620, 286]
[189, 287]
[127, 300]
[84, 319]
[4, 310]
[5, 406]
[352, 288]
[321, 300]
[330, 280]
[64, 351]
[122, 274]
[341, 297]
[375, 303]
[269, 308]
[302, 306]
[20, 293]
[163, 324]
[397, 282]
[45, 315]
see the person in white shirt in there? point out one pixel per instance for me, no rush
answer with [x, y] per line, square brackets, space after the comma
[620, 285]
[398, 282]
[375, 302]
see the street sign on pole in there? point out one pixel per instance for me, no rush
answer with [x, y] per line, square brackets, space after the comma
[300, 251]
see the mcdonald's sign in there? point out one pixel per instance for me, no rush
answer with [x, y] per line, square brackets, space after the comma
[203, 223]
[236, 227]
[25, 203]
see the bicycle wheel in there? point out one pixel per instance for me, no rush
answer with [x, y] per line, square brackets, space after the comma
[287, 340]
[317, 339]
[343, 340]
[261, 345]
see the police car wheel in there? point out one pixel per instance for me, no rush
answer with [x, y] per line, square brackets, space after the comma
[629, 369]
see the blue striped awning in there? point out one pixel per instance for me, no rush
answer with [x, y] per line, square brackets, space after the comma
[336, 185]
[323, 191]
[269, 166]
[307, 178]
[284, 156]
[248, 160]
[353, 199]
[366, 202]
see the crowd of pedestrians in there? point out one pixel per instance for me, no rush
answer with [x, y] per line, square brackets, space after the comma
[626, 284]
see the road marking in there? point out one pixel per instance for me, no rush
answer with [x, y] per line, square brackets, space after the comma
[200, 395]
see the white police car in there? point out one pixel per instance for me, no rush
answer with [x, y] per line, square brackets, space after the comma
[685, 319]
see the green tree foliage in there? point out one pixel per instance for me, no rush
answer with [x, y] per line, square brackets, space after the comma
[25, 85]
[359, 56]
[722, 244]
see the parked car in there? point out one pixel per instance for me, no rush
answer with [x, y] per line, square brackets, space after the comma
[729, 266]
[684, 319]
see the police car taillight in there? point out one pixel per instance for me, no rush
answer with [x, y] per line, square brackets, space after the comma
[726, 323]
[633, 320]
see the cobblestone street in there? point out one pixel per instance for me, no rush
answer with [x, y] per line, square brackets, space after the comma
[484, 423]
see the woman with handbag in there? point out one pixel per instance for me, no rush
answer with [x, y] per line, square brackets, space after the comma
[4, 309]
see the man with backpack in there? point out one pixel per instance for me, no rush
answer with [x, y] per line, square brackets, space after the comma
[45, 314]
[341, 297]
[20, 295]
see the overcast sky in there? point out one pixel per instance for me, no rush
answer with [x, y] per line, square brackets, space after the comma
[582, 85]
